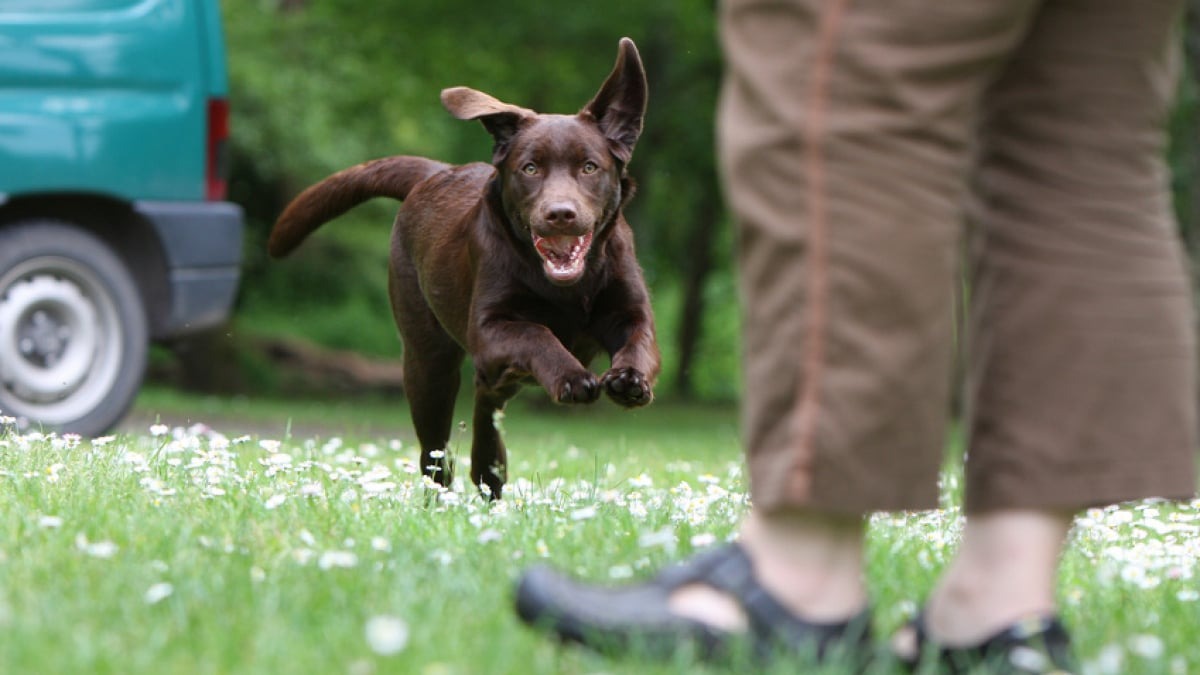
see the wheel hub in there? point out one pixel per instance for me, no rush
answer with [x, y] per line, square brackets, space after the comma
[47, 338]
[43, 337]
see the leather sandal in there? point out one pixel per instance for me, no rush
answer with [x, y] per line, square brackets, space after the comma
[638, 617]
[1038, 645]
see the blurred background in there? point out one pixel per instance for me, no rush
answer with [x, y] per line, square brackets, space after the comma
[319, 85]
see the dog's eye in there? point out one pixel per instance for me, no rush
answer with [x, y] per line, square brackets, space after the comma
[590, 167]
[530, 169]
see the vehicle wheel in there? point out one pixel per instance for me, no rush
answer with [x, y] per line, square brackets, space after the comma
[73, 333]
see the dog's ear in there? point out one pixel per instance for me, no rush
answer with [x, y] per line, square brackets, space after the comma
[620, 105]
[502, 120]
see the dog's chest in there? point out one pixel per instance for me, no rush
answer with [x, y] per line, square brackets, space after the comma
[565, 321]
[570, 322]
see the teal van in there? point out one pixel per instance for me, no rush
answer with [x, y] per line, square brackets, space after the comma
[114, 229]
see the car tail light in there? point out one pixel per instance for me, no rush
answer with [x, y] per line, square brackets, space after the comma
[217, 161]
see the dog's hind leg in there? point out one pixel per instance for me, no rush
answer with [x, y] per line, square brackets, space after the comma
[432, 373]
[489, 457]
[431, 380]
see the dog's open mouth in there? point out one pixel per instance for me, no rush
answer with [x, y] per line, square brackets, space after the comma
[563, 256]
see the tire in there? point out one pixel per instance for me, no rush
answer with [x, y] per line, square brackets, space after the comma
[73, 329]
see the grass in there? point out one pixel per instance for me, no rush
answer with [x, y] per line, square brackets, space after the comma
[178, 549]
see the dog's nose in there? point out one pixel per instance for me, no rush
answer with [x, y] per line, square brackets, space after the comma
[560, 214]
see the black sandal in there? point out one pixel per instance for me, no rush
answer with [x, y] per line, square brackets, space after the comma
[1037, 645]
[638, 618]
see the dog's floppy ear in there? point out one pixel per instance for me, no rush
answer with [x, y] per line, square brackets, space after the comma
[620, 105]
[502, 120]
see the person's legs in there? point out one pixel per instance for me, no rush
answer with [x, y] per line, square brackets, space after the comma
[1083, 350]
[844, 134]
[845, 131]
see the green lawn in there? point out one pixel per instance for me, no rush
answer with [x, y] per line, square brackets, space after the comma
[243, 549]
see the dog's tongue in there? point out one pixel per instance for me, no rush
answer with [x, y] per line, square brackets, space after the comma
[563, 256]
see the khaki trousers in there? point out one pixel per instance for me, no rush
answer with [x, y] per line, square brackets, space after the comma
[857, 138]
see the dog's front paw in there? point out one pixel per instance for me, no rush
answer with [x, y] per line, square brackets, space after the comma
[627, 387]
[579, 388]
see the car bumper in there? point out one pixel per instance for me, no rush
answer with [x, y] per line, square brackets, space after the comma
[202, 243]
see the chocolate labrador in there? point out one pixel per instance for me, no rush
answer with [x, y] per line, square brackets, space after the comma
[527, 263]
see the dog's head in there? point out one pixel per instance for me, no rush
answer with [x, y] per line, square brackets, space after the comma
[562, 177]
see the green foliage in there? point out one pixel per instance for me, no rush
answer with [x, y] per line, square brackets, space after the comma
[718, 355]
[1185, 162]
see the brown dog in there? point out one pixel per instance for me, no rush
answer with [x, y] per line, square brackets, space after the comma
[526, 264]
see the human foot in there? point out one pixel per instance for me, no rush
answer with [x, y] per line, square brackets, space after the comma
[998, 592]
[1036, 645]
[811, 564]
[1005, 569]
[642, 617]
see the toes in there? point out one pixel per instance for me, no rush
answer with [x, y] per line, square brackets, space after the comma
[905, 645]
[627, 387]
[709, 606]
[581, 389]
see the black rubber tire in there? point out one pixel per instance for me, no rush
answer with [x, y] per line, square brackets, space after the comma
[73, 329]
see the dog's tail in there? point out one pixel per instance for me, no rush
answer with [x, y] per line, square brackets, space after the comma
[388, 177]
